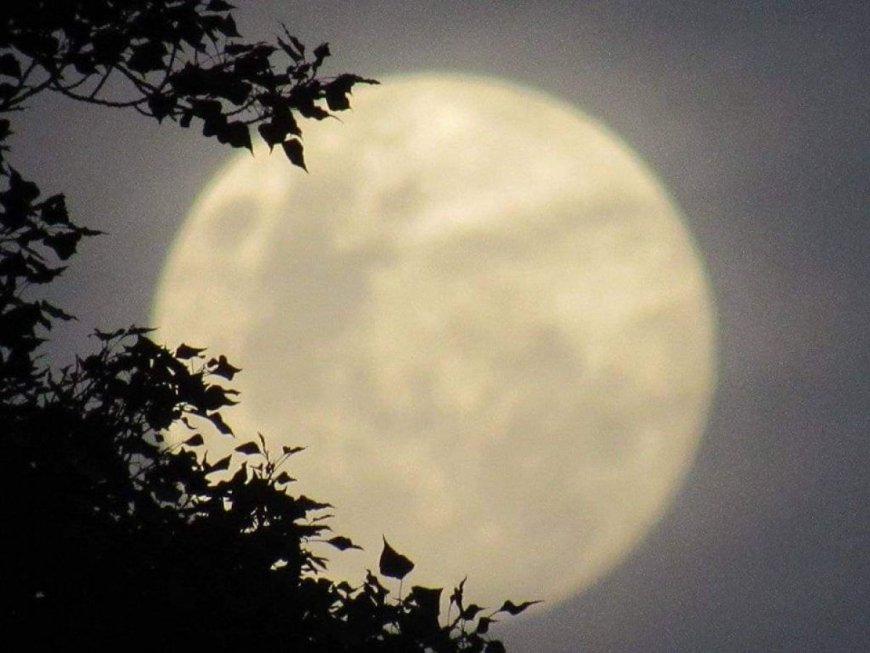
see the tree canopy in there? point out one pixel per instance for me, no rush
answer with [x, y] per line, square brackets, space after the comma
[111, 535]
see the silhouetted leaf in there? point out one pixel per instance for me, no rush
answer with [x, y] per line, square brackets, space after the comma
[7, 91]
[249, 448]
[470, 612]
[228, 27]
[147, 57]
[234, 133]
[343, 543]
[292, 47]
[428, 599]
[393, 564]
[108, 44]
[320, 53]
[213, 126]
[83, 62]
[220, 366]
[9, 66]
[284, 477]
[194, 441]
[17, 199]
[271, 133]
[483, 625]
[139, 331]
[216, 397]
[105, 336]
[167, 493]
[63, 244]
[55, 312]
[220, 424]
[185, 352]
[162, 104]
[338, 89]
[514, 609]
[289, 451]
[221, 465]
[294, 151]
[219, 5]
[54, 210]
[457, 596]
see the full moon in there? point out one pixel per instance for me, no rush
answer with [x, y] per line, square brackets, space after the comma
[482, 315]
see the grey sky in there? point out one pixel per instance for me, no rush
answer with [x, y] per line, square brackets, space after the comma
[755, 115]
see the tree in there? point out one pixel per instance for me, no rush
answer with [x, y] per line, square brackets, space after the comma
[110, 535]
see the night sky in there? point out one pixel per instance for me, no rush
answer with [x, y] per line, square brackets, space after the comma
[755, 116]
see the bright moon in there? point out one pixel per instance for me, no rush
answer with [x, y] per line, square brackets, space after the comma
[480, 312]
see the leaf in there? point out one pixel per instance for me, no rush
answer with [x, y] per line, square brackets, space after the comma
[64, 244]
[220, 424]
[249, 448]
[343, 543]
[294, 151]
[284, 477]
[194, 441]
[185, 352]
[9, 66]
[219, 5]
[483, 625]
[235, 134]
[167, 493]
[294, 49]
[216, 397]
[83, 62]
[162, 105]
[470, 612]
[320, 518]
[134, 330]
[235, 49]
[106, 336]
[207, 109]
[429, 599]
[495, 646]
[457, 595]
[271, 133]
[339, 88]
[228, 27]
[393, 564]
[55, 312]
[289, 451]
[54, 210]
[147, 57]
[320, 53]
[220, 466]
[512, 609]
[28, 190]
[213, 125]
[221, 367]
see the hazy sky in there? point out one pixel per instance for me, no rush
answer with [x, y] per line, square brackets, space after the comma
[755, 115]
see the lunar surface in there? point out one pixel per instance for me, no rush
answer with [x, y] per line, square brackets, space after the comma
[482, 315]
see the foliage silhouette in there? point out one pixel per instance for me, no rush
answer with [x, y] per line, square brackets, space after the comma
[111, 535]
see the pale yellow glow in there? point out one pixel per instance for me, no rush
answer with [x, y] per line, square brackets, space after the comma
[482, 314]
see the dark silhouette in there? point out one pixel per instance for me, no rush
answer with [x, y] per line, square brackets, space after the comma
[111, 537]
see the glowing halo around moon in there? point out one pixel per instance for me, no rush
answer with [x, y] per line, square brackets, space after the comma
[481, 313]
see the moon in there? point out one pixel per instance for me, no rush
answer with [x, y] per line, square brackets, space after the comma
[480, 312]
